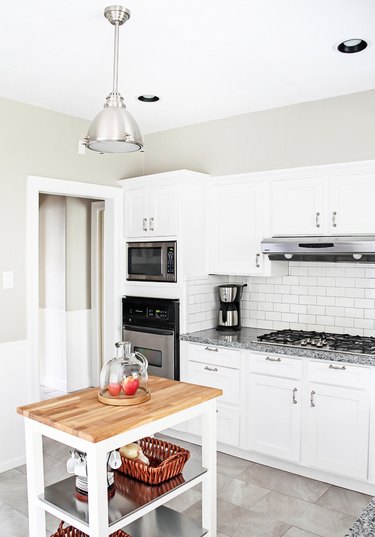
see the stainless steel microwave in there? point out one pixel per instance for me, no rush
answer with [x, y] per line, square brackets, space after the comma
[152, 261]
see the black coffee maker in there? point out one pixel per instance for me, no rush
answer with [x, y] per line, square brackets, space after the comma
[229, 312]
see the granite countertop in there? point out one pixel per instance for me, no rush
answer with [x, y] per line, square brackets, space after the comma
[246, 339]
[365, 525]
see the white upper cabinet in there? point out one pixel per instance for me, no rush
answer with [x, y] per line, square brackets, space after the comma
[151, 212]
[351, 204]
[298, 207]
[326, 200]
[237, 219]
[236, 224]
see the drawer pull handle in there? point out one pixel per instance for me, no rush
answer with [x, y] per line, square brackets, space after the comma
[341, 367]
[312, 402]
[294, 396]
[317, 223]
[334, 219]
[278, 359]
[257, 256]
[211, 368]
[211, 349]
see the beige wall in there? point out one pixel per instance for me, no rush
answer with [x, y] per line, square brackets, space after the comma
[35, 141]
[340, 129]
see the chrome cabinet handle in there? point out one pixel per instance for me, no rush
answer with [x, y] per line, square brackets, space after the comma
[278, 359]
[210, 368]
[317, 218]
[152, 224]
[145, 224]
[312, 402]
[211, 349]
[294, 396]
[257, 256]
[341, 367]
[334, 221]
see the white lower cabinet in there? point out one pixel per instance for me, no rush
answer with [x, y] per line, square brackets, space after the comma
[312, 413]
[337, 430]
[274, 416]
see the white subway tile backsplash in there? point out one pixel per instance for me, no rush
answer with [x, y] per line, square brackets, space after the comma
[314, 296]
[364, 303]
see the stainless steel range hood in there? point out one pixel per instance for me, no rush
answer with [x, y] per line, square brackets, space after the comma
[356, 249]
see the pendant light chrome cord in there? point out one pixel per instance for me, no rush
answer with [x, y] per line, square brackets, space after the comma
[114, 130]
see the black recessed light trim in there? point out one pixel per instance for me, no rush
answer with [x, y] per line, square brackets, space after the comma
[347, 48]
[148, 98]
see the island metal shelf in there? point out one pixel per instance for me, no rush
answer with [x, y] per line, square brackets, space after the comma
[80, 421]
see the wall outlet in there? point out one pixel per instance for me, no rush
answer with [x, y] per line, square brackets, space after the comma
[8, 279]
[81, 148]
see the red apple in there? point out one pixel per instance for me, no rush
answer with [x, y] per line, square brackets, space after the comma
[130, 385]
[114, 389]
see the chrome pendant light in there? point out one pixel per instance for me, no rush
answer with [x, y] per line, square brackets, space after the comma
[114, 130]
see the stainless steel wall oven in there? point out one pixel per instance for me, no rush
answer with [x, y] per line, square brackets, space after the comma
[152, 327]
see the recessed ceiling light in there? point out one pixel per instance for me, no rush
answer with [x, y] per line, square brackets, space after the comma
[148, 98]
[349, 46]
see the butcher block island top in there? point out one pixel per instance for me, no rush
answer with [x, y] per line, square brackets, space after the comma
[81, 414]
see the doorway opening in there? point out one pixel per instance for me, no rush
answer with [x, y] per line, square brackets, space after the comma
[71, 249]
[73, 287]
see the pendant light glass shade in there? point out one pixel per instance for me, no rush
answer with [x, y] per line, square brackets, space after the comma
[114, 130]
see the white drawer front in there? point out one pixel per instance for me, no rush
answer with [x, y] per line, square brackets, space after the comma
[214, 355]
[215, 376]
[277, 365]
[339, 374]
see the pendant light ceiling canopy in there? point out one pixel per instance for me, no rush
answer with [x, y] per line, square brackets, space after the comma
[114, 130]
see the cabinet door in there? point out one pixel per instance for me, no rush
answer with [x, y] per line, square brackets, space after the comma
[236, 229]
[337, 430]
[298, 207]
[163, 211]
[274, 416]
[228, 426]
[351, 204]
[136, 213]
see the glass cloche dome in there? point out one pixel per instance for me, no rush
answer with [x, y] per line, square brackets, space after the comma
[124, 379]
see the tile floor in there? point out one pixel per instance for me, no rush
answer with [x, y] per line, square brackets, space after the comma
[253, 500]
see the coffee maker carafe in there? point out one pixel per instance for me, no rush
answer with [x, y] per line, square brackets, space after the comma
[229, 311]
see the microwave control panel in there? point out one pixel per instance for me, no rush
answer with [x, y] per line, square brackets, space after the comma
[170, 260]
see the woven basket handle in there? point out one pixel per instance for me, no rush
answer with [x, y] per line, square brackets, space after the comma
[170, 459]
[61, 527]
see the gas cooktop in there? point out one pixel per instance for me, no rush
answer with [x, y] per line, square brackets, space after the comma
[321, 340]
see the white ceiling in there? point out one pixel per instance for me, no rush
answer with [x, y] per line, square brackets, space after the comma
[206, 59]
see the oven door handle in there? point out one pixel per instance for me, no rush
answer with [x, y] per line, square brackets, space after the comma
[147, 330]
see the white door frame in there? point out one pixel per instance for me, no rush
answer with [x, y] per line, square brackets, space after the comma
[112, 259]
[97, 339]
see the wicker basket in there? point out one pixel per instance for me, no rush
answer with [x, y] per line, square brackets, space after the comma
[166, 461]
[69, 531]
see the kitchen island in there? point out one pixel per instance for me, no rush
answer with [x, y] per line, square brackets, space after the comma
[80, 421]
[365, 525]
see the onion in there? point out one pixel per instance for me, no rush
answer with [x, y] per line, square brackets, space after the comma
[130, 451]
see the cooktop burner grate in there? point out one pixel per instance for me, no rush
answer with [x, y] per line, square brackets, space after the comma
[321, 340]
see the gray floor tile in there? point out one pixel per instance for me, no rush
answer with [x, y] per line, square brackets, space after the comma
[346, 501]
[304, 515]
[240, 522]
[294, 485]
[297, 532]
[232, 466]
[12, 523]
[239, 492]
[55, 449]
[13, 491]
[54, 468]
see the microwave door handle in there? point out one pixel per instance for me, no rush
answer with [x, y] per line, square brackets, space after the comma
[146, 330]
